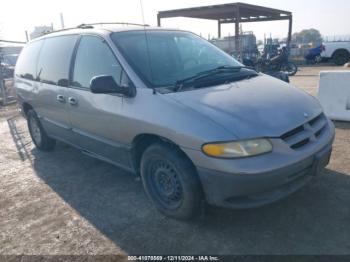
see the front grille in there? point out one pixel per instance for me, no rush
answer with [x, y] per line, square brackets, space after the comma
[292, 132]
[302, 135]
[301, 143]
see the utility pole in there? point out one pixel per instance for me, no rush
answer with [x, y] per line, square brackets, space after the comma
[62, 21]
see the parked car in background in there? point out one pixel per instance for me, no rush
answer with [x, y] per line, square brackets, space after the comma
[167, 105]
[8, 63]
[7, 66]
[338, 52]
[313, 55]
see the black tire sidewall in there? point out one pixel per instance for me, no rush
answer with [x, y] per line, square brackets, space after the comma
[47, 143]
[340, 57]
[293, 66]
[191, 189]
[31, 116]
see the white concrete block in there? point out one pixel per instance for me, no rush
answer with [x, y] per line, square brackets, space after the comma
[334, 94]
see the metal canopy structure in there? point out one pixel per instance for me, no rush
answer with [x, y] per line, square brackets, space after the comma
[231, 13]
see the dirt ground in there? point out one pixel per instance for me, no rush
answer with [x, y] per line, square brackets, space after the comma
[64, 202]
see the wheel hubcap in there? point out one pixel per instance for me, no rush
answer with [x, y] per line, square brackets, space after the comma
[35, 130]
[167, 185]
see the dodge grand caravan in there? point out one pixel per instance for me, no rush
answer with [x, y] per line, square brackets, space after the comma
[194, 123]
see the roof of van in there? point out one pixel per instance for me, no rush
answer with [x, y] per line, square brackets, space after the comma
[101, 29]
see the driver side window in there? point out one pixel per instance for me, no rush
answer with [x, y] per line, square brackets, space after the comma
[94, 58]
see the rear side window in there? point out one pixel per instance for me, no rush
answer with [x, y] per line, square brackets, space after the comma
[26, 64]
[94, 58]
[54, 60]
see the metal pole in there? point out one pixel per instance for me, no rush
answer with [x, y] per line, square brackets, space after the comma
[62, 21]
[219, 29]
[237, 31]
[158, 20]
[27, 38]
[289, 39]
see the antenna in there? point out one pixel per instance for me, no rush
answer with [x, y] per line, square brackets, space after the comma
[62, 20]
[147, 45]
[142, 14]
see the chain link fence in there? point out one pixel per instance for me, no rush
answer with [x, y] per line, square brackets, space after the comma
[336, 38]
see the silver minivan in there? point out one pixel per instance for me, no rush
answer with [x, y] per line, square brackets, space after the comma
[194, 123]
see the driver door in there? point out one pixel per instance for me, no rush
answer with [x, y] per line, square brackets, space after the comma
[96, 118]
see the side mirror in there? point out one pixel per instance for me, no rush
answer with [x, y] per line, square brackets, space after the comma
[105, 84]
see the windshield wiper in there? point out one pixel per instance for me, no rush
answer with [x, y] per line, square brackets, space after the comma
[220, 69]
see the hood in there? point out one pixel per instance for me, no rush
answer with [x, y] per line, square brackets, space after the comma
[259, 107]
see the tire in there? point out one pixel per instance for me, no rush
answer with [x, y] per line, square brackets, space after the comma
[39, 137]
[289, 68]
[340, 57]
[318, 59]
[171, 182]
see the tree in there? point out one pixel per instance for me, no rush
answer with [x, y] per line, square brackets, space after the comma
[307, 36]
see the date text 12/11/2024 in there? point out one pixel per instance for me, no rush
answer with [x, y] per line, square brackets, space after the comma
[174, 258]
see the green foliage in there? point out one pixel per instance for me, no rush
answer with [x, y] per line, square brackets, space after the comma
[307, 36]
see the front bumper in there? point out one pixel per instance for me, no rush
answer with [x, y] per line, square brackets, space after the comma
[252, 190]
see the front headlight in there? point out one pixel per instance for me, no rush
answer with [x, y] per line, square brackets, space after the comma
[238, 148]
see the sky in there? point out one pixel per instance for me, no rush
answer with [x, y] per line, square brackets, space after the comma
[329, 17]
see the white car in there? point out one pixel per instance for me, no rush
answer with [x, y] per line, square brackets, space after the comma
[339, 52]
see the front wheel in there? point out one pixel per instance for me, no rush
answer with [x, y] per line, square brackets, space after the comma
[170, 181]
[318, 59]
[289, 68]
[41, 140]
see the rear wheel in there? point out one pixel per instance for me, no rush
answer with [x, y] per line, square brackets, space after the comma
[289, 68]
[171, 182]
[340, 57]
[41, 140]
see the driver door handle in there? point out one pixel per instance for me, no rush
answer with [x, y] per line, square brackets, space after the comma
[73, 101]
[60, 98]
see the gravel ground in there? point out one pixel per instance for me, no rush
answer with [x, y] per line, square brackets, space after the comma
[64, 202]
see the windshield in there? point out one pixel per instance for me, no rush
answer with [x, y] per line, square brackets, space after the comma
[168, 56]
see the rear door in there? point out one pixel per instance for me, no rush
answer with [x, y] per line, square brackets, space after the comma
[53, 74]
[96, 118]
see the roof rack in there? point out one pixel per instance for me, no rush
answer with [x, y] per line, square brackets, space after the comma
[12, 42]
[90, 25]
[60, 30]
